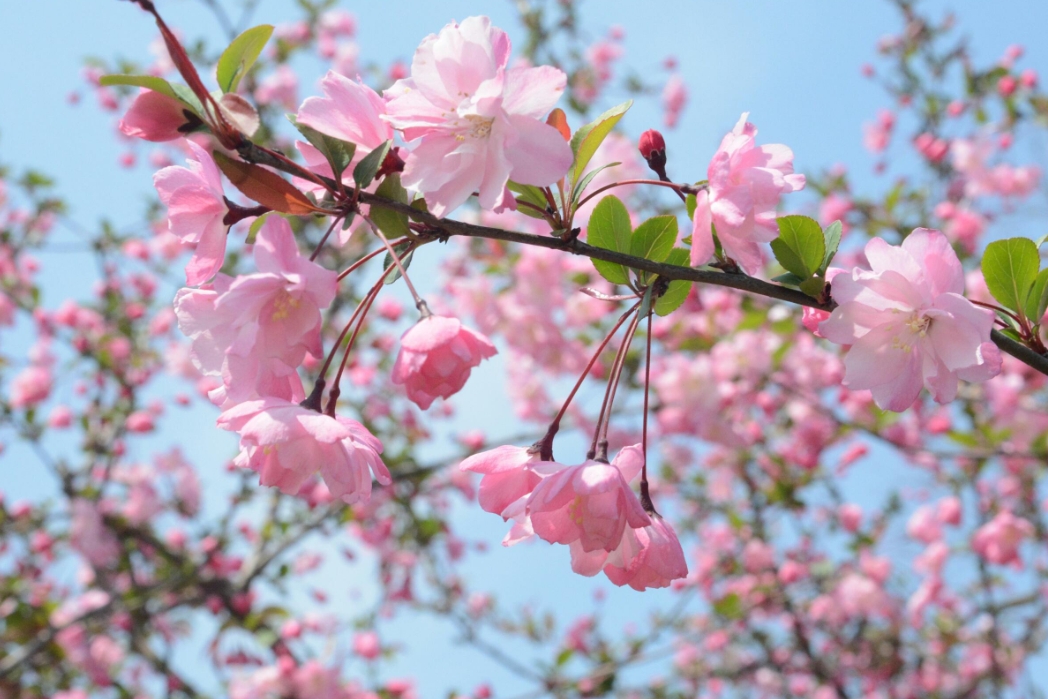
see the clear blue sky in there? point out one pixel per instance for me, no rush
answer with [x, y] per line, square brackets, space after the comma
[793, 66]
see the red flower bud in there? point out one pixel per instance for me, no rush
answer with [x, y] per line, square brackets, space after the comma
[651, 141]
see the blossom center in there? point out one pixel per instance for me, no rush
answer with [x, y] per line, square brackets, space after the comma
[283, 305]
[479, 127]
[919, 324]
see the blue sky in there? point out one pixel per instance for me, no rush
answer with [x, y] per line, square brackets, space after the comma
[793, 66]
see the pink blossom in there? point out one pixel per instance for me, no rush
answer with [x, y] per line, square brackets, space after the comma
[658, 561]
[674, 97]
[31, 386]
[255, 330]
[923, 525]
[196, 210]
[908, 324]
[286, 444]
[590, 503]
[350, 111]
[508, 476]
[745, 183]
[153, 116]
[89, 535]
[367, 645]
[436, 356]
[999, 539]
[279, 87]
[478, 123]
[877, 135]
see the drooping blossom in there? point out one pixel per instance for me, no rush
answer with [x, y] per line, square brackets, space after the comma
[153, 116]
[908, 324]
[436, 357]
[196, 208]
[478, 123]
[287, 444]
[658, 559]
[591, 503]
[507, 476]
[999, 539]
[254, 331]
[745, 183]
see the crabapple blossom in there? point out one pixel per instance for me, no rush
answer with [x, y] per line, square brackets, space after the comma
[908, 324]
[436, 357]
[507, 478]
[745, 183]
[999, 539]
[287, 444]
[591, 503]
[478, 123]
[657, 559]
[196, 210]
[153, 116]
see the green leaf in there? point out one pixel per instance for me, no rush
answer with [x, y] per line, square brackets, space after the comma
[645, 303]
[337, 152]
[240, 55]
[789, 279]
[405, 260]
[1010, 267]
[813, 286]
[256, 226]
[576, 193]
[800, 247]
[1037, 301]
[393, 223]
[832, 236]
[677, 291]
[587, 139]
[532, 195]
[654, 238]
[150, 82]
[729, 606]
[367, 168]
[691, 203]
[610, 229]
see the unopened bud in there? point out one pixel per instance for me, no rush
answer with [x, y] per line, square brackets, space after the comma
[652, 145]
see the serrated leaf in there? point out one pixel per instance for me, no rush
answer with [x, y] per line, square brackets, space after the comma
[1010, 267]
[677, 291]
[609, 228]
[337, 152]
[832, 238]
[1037, 301]
[393, 223]
[800, 247]
[589, 137]
[366, 169]
[240, 55]
[264, 186]
[654, 238]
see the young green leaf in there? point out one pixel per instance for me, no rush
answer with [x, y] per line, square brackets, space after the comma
[645, 302]
[150, 82]
[393, 223]
[677, 291]
[587, 139]
[610, 229]
[1010, 267]
[691, 203]
[240, 55]
[532, 195]
[367, 168]
[654, 238]
[576, 193]
[800, 247]
[256, 226]
[337, 152]
[832, 236]
[1037, 301]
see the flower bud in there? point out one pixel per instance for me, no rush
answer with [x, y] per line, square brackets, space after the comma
[652, 145]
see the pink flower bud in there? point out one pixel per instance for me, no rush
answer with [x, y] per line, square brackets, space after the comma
[651, 141]
[1006, 86]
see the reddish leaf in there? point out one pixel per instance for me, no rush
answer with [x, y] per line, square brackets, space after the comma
[266, 187]
[559, 121]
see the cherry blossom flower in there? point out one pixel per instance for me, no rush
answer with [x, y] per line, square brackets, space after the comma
[508, 476]
[255, 330]
[658, 559]
[478, 123]
[999, 539]
[196, 208]
[908, 324]
[591, 503]
[287, 444]
[436, 357]
[745, 183]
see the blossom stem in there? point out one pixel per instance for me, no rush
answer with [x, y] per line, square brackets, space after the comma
[356, 265]
[599, 447]
[366, 305]
[342, 335]
[554, 426]
[645, 496]
[419, 302]
[679, 188]
[327, 234]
